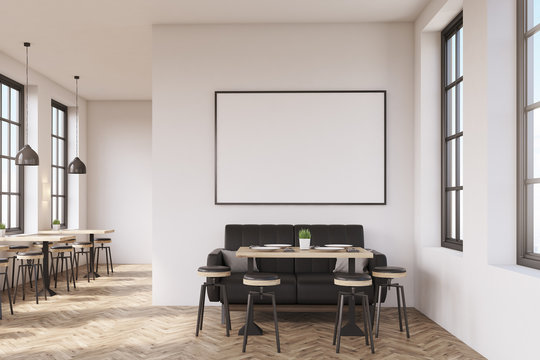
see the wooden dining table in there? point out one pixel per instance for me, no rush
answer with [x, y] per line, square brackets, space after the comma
[90, 232]
[45, 240]
[350, 329]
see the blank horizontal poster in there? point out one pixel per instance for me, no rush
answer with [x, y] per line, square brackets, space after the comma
[290, 147]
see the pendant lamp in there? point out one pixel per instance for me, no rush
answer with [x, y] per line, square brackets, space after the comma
[77, 166]
[26, 156]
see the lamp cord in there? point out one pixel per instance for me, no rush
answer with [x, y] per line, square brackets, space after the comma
[26, 99]
[77, 114]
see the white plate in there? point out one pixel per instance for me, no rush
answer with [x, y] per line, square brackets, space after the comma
[328, 248]
[278, 245]
[264, 248]
[339, 245]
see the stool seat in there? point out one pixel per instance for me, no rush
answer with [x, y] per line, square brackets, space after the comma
[261, 279]
[389, 272]
[352, 279]
[61, 248]
[103, 241]
[82, 244]
[4, 260]
[214, 271]
[17, 248]
[29, 255]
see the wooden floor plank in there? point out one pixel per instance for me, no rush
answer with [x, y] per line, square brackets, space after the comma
[112, 318]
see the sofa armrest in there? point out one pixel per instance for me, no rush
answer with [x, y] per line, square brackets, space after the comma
[214, 258]
[379, 259]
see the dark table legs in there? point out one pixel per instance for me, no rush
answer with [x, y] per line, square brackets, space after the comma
[46, 275]
[351, 329]
[92, 258]
[253, 329]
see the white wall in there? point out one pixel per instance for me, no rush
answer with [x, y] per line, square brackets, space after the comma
[479, 295]
[190, 62]
[119, 176]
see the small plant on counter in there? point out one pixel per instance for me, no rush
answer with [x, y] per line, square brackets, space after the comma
[304, 234]
[2, 229]
[56, 224]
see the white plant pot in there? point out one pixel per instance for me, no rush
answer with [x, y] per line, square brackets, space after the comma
[304, 243]
[56, 227]
[2, 232]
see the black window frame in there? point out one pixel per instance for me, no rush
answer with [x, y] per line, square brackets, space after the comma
[525, 223]
[55, 194]
[446, 34]
[20, 88]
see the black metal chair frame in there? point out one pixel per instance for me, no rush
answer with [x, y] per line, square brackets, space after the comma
[83, 251]
[108, 257]
[399, 288]
[14, 262]
[5, 273]
[366, 316]
[30, 266]
[249, 314]
[60, 257]
[200, 314]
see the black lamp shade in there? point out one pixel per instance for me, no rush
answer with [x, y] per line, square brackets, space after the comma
[27, 157]
[76, 167]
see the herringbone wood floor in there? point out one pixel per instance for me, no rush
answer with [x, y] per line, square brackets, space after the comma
[112, 318]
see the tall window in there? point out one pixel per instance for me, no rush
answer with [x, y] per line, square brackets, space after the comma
[528, 133]
[59, 162]
[452, 134]
[11, 135]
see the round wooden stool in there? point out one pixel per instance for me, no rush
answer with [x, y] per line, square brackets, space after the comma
[4, 263]
[60, 250]
[33, 264]
[353, 280]
[97, 250]
[83, 248]
[260, 280]
[212, 273]
[14, 249]
[389, 273]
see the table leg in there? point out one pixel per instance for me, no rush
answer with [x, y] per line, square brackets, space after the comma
[351, 329]
[46, 275]
[253, 329]
[92, 258]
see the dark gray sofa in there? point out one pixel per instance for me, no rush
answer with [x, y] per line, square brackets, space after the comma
[303, 281]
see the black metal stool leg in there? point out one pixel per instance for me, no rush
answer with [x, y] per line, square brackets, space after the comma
[378, 317]
[340, 319]
[24, 269]
[276, 321]
[399, 308]
[16, 283]
[8, 291]
[107, 259]
[72, 272]
[97, 257]
[368, 329]
[56, 271]
[226, 304]
[336, 322]
[36, 271]
[87, 267]
[201, 305]
[404, 310]
[110, 259]
[30, 269]
[76, 257]
[40, 267]
[249, 314]
[14, 258]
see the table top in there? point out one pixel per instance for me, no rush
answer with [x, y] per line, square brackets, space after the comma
[245, 251]
[75, 232]
[36, 237]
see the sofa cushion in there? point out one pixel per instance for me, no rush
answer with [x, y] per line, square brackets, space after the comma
[238, 292]
[246, 235]
[316, 289]
[237, 264]
[327, 234]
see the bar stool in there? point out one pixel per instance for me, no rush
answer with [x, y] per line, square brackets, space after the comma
[60, 250]
[260, 280]
[107, 249]
[83, 248]
[389, 273]
[212, 273]
[4, 263]
[13, 249]
[32, 259]
[353, 280]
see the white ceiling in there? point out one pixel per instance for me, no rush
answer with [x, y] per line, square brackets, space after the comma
[109, 42]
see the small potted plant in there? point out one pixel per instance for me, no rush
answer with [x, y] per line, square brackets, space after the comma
[304, 235]
[2, 229]
[56, 224]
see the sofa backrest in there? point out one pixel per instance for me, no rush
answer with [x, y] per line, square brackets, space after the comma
[327, 234]
[245, 235]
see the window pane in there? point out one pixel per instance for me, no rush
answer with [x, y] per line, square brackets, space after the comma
[533, 13]
[61, 210]
[5, 138]
[451, 163]
[14, 139]
[61, 181]
[5, 175]
[451, 59]
[61, 160]
[14, 211]
[55, 121]
[460, 52]
[54, 181]
[61, 123]
[451, 214]
[5, 101]
[451, 112]
[5, 210]
[459, 99]
[14, 177]
[460, 150]
[533, 144]
[461, 215]
[14, 105]
[533, 216]
[54, 156]
[533, 69]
